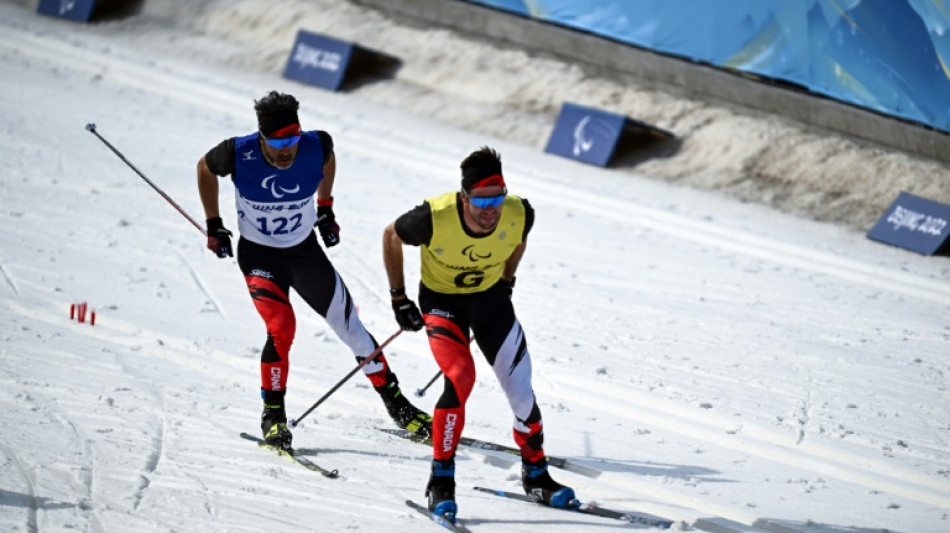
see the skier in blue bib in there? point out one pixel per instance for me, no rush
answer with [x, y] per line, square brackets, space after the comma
[283, 188]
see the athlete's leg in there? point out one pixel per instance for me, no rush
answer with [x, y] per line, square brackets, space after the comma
[268, 283]
[500, 337]
[447, 325]
[266, 277]
[318, 283]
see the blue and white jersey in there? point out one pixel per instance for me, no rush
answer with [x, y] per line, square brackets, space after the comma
[276, 206]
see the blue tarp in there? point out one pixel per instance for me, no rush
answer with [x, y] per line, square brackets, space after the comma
[891, 56]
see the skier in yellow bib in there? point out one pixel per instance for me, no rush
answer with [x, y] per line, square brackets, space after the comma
[470, 244]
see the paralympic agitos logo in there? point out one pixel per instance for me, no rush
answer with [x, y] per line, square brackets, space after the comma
[471, 278]
[474, 257]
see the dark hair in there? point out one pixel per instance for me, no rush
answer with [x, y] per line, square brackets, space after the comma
[479, 165]
[276, 103]
[275, 112]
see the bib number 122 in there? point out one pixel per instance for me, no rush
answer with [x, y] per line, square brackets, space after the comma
[279, 225]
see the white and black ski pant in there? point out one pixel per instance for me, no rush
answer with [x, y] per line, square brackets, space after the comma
[491, 318]
[270, 273]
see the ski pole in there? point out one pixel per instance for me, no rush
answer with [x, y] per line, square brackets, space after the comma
[422, 392]
[92, 129]
[293, 422]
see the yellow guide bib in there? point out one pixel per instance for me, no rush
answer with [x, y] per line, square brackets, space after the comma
[457, 263]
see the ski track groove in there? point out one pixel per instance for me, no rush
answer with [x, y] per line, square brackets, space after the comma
[87, 471]
[202, 286]
[32, 523]
[804, 406]
[10, 281]
[151, 465]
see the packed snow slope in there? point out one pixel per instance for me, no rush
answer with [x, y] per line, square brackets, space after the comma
[718, 363]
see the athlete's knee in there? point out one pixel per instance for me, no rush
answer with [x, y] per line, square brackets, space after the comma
[451, 396]
[462, 377]
[274, 307]
[281, 326]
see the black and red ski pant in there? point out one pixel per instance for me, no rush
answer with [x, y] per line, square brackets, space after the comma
[491, 318]
[270, 273]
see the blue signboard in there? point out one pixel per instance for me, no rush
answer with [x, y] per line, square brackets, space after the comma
[914, 223]
[593, 135]
[586, 134]
[77, 10]
[319, 60]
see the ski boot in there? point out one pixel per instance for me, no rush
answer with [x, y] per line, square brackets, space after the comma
[274, 421]
[406, 415]
[539, 486]
[440, 491]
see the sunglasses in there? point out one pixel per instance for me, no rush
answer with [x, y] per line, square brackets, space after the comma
[281, 142]
[482, 202]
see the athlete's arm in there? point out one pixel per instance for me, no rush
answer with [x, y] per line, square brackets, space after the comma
[325, 189]
[219, 161]
[413, 228]
[392, 257]
[511, 264]
[208, 189]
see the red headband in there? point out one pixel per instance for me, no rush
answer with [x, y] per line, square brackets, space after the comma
[286, 131]
[495, 180]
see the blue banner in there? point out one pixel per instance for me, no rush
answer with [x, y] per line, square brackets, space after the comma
[890, 56]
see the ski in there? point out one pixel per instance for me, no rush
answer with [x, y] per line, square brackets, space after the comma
[557, 462]
[587, 508]
[302, 461]
[457, 526]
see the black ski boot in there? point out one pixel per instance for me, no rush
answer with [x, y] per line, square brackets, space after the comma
[539, 486]
[440, 492]
[406, 415]
[274, 421]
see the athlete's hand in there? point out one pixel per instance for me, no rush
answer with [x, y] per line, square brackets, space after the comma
[219, 238]
[509, 286]
[407, 314]
[326, 223]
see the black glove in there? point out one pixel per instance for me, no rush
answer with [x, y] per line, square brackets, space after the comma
[508, 286]
[219, 238]
[326, 223]
[408, 315]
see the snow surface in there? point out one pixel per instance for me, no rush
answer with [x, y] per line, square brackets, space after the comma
[721, 364]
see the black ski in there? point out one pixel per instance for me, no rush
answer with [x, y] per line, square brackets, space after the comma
[457, 526]
[302, 461]
[558, 462]
[587, 508]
